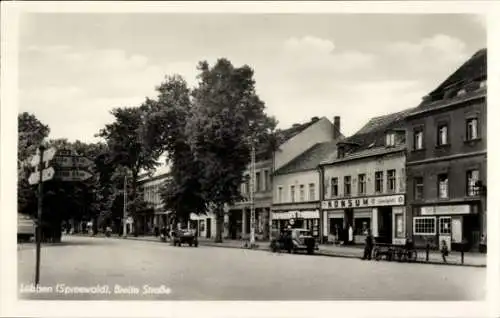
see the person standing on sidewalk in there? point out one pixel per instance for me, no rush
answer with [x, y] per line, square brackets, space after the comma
[444, 250]
[368, 245]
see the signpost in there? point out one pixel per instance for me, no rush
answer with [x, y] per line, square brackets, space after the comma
[67, 167]
[43, 155]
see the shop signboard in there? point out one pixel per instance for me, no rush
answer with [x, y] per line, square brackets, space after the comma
[364, 202]
[445, 210]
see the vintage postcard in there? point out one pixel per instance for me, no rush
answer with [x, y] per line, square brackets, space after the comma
[249, 159]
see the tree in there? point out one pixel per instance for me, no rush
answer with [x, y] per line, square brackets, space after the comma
[127, 148]
[31, 133]
[166, 127]
[228, 117]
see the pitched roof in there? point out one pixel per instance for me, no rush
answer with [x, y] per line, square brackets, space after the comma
[283, 135]
[474, 67]
[309, 159]
[373, 133]
[467, 76]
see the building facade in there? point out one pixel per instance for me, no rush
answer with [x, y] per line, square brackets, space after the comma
[154, 215]
[364, 183]
[446, 162]
[296, 178]
[238, 216]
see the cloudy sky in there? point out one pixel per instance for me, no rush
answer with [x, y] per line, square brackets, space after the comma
[74, 68]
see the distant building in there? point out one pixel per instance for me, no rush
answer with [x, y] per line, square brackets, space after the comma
[446, 162]
[154, 214]
[292, 142]
[364, 182]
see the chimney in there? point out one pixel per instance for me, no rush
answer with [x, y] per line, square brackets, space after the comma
[336, 127]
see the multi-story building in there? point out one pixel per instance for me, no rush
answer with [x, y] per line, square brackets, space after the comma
[291, 143]
[296, 180]
[364, 182]
[154, 215]
[446, 161]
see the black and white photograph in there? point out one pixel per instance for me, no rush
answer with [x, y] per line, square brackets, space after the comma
[265, 156]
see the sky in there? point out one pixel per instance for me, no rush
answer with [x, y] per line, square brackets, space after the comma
[75, 67]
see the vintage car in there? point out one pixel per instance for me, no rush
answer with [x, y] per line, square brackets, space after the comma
[185, 236]
[294, 240]
[25, 228]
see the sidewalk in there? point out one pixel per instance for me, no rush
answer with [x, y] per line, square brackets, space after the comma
[470, 259]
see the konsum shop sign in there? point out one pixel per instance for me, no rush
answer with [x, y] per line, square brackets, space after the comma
[364, 202]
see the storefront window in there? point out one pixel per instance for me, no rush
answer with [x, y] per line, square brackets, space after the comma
[425, 225]
[400, 230]
[361, 226]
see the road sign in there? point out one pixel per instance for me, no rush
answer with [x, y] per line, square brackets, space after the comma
[47, 175]
[48, 154]
[73, 175]
[72, 161]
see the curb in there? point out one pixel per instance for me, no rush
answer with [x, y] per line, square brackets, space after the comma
[318, 253]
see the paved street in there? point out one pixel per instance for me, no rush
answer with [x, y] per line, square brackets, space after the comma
[211, 273]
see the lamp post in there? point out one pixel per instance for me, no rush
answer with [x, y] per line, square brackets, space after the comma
[252, 194]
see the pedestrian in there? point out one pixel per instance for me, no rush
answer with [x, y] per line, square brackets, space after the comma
[368, 245]
[351, 235]
[444, 250]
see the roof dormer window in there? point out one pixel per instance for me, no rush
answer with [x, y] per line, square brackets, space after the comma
[390, 139]
[461, 92]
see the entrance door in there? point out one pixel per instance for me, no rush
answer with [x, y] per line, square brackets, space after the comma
[385, 225]
[209, 228]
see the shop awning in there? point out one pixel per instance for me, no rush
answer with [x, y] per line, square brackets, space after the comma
[287, 215]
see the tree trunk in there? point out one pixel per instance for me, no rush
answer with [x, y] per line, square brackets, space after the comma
[219, 229]
[133, 196]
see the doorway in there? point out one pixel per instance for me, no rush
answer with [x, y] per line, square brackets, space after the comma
[209, 228]
[385, 225]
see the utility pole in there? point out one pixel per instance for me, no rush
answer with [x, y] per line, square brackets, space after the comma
[125, 206]
[39, 221]
[252, 195]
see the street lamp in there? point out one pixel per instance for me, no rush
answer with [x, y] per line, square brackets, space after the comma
[252, 194]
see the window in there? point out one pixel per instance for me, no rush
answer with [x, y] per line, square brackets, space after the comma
[280, 194]
[361, 226]
[340, 152]
[418, 139]
[292, 193]
[361, 184]
[247, 184]
[391, 180]
[472, 179]
[266, 180]
[443, 186]
[442, 135]
[312, 192]
[347, 186]
[335, 187]
[445, 225]
[400, 228]
[462, 92]
[482, 84]
[472, 129]
[302, 193]
[257, 181]
[379, 181]
[419, 188]
[425, 225]
[390, 139]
